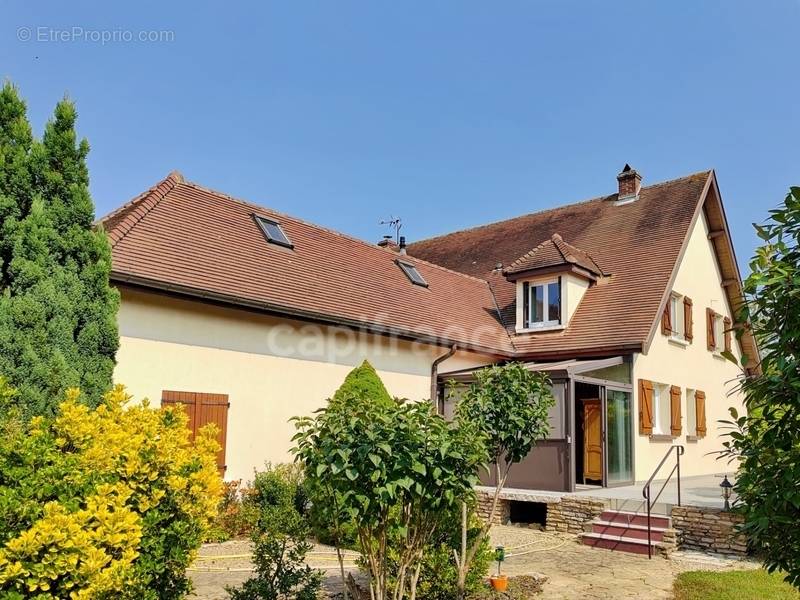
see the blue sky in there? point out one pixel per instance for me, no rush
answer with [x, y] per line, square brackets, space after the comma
[448, 114]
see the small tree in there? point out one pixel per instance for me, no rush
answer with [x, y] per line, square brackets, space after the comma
[394, 468]
[57, 309]
[509, 405]
[765, 441]
[279, 536]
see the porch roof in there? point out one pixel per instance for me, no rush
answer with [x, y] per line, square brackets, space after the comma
[558, 370]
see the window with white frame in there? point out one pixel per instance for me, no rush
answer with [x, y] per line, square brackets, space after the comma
[662, 415]
[719, 333]
[691, 412]
[542, 303]
[676, 315]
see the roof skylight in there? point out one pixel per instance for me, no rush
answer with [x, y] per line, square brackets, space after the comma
[411, 272]
[273, 232]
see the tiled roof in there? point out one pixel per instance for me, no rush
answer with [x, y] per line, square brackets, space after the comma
[637, 243]
[553, 252]
[181, 237]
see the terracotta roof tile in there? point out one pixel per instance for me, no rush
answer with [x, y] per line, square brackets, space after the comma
[183, 237]
[553, 252]
[637, 243]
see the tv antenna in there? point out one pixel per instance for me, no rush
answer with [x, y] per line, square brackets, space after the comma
[395, 223]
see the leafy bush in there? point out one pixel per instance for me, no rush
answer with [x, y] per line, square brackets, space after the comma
[279, 537]
[394, 469]
[438, 575]
[509, 406]
[765, 441]
[363, 382]
[109, 502]
[235, 513]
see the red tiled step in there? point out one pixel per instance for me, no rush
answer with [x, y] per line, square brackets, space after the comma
[629, 518]
[628, 531]
[615, 542]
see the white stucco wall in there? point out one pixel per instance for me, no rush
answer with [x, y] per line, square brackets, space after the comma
[271, 368]
[691, 366]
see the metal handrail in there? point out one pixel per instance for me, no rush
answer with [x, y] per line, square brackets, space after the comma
[679, 450]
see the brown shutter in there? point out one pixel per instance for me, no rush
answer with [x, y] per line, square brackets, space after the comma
[710, 341]
[202, 410]
[688, 321]
[213, 408]
[666, 319]
[186, 401]
[675, 410]
[727, 328]
[645, 407]
[700, 412]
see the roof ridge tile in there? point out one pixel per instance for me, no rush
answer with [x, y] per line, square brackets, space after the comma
[135, 210]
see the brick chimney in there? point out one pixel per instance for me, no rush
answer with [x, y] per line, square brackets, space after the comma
[630, 182]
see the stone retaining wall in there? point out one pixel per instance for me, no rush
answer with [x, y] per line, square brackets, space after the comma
[567, 514]
[503, 513]
[708, 529]
[572, 513]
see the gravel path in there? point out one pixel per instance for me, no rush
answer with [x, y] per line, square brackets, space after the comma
[572, 570]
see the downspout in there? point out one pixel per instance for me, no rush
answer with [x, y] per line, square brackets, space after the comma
[435, 374]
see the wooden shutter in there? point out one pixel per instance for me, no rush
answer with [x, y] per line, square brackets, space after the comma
[710, 333]
[203, 409]
[525, 304]
[688, 321]
[727, 328]
[700, 412]
[645, 407]
[666, 319]
[186, 401]
[675, 410]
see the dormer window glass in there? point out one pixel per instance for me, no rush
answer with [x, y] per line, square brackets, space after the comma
[542, 303]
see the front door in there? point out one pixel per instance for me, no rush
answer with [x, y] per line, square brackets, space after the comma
[592, 440]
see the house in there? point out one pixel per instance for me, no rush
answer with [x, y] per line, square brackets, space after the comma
[249, 317]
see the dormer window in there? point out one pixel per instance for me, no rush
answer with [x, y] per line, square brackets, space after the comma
[273, 232]
[542, 303]
[551, 280]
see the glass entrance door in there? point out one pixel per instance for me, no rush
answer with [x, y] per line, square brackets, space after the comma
[618, 436]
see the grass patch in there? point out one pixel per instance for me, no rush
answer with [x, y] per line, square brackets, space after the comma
[733, 585]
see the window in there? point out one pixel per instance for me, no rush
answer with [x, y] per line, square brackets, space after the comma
[661, 409]
[542, 304]
[412, 273]
[719, 332]
[691, 412]
[677, 319]
[676, 315]
[273, 232]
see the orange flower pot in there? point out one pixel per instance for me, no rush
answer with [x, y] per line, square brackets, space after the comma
[499, 582]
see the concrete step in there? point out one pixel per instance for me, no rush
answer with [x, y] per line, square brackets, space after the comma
[628, 531]
[635, 518]
[618, 543]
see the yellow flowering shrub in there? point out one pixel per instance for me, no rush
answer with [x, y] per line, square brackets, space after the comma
[109, 502]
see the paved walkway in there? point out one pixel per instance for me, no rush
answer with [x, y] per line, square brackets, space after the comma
[572, 570]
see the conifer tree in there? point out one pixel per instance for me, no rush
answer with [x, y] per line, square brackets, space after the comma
[57, 309]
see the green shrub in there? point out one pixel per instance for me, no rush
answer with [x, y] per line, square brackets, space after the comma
[111, 502]
[235, 513]
[363, 382]
[439, 576]
[279, 536]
